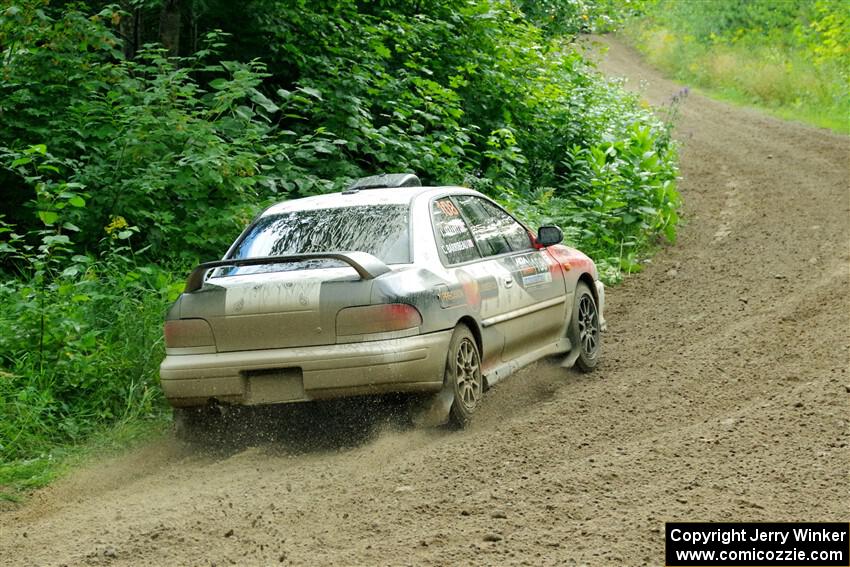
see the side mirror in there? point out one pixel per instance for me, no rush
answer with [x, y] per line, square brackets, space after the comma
[549, 235]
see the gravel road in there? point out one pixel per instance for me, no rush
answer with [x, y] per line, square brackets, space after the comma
[723, 395]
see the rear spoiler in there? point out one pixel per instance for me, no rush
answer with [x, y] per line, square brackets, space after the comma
[367, 266]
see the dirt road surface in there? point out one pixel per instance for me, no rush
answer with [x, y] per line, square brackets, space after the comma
[723, 396]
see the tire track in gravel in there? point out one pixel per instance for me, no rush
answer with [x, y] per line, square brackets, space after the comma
[723, 396]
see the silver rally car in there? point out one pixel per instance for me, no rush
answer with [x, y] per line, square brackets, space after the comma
[386, 287]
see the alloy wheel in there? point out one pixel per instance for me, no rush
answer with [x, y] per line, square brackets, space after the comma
[468, 374]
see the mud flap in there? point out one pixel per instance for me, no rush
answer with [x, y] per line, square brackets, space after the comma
[433, 411]
[570, 360]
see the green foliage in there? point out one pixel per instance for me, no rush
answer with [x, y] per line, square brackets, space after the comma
[185, 164]
[80, 342]
[827, 35]
[571, 17]
[790, 57]
[80, 338]
[597, 212]
[188, 149]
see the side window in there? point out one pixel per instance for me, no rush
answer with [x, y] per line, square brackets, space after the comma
[453, 237]
[495, 231]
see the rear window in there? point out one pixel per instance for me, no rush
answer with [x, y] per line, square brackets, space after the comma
[380, 230]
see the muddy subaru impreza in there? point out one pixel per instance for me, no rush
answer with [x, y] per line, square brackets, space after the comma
[386, 287]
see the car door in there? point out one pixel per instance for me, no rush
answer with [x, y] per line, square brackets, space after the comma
[529, 308]
[472, 280]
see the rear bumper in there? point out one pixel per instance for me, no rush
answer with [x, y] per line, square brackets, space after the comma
[410, 364]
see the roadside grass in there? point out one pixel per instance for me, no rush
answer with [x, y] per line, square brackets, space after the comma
[774, 78]
[80, 347]
[19, 478]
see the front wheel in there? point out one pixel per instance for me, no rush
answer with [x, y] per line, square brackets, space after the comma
[463, 373]
[585, 333]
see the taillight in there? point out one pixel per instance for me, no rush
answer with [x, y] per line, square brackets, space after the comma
[184, 333]
[377, 319]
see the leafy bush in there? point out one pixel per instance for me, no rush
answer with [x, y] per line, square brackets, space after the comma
[141, 139]
[189, 149]
[571, 17]
[80, 344]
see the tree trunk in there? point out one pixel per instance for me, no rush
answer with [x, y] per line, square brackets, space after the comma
[128, 29]
[169, 26]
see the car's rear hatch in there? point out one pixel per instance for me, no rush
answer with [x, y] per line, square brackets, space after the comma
[276, 309]
[287, 277]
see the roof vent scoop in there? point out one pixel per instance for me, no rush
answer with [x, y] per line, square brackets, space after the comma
[385, 181]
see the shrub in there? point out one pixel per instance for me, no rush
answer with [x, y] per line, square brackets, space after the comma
[189, 149]
[80, 344]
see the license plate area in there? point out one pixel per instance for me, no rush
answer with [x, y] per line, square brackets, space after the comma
[274, 385]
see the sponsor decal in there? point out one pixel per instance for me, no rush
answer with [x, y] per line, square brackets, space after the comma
[532, 269]
[453, 228]
[447, 207]
[468, 291]
[451, 296]
[459, 246]
[536, 279]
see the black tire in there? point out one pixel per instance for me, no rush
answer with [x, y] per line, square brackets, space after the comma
[584, 331]
[463, 373]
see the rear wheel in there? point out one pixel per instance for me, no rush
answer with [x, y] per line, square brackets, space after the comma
[463, 372]
[585, 334]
